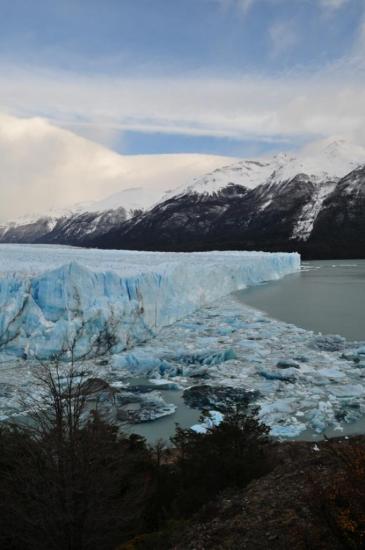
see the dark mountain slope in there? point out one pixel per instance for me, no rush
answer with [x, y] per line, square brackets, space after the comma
[317, 219]
[339, 230]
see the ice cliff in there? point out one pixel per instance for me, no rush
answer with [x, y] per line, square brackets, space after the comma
[56, 298]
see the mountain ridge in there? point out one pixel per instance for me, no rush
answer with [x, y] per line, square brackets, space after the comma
[279, 203]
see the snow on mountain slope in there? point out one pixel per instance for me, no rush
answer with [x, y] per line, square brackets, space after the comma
[267, 204]
[98, 297]
[134, 198]
[310, 211]
[323, 161]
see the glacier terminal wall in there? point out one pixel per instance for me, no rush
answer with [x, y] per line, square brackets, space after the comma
[54, 299]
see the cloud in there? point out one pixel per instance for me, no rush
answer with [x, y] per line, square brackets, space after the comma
[45, 167]
[326, 102]
[246, 5]
[242, 5]
[333, 4]
[283, 36]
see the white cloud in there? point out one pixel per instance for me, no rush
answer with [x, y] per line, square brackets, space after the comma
[323, 103]
[283, 36]
[242, 5]
[245, 5]
[333, 4]
[45, 167]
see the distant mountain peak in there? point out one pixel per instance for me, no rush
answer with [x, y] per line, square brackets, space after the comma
[324, 160]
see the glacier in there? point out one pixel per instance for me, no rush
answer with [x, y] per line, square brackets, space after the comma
[57, 299]
[152, 325]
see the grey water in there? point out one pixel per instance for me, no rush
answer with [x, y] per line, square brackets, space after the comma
[164, 428]
[325, 296]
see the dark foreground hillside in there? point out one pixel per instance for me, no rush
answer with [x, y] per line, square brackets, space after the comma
[313, 499]
[70, 481]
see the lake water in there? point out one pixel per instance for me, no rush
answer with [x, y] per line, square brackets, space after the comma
[164, 428]
[325, 296]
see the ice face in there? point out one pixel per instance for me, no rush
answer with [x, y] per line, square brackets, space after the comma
[319, 383]
[96, 302]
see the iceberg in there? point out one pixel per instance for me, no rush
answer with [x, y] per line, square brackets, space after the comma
[213, 419]
[93, 302]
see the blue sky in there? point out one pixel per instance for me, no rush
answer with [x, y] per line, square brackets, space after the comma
[215, 76]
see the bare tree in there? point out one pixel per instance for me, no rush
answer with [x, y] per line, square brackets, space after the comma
[68, 480]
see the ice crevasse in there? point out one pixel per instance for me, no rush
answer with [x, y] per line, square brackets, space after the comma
[53, 298]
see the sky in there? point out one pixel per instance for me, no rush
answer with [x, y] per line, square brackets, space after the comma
[229, 77]
[84, 80]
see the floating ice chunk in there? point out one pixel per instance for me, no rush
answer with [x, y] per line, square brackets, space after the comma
[288, 431]
[287, 363]
[322, 416]
[356, 354]
[118, 384]
[334, 373]
[209, 357]
[137, 407]
[214, 419]
[287, 375]
[165, 384]
[347, 390]
[301, 359]
[328, 342]
[280, 405]
[224, 331]
[140, 362]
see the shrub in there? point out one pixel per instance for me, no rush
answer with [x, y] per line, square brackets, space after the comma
[340, 504]
[228, 455]
[68, 483]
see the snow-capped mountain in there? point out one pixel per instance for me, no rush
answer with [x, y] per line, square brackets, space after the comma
[89, 218]
[281, 203]
[71, 226]
[284, 202]
[326, 160]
